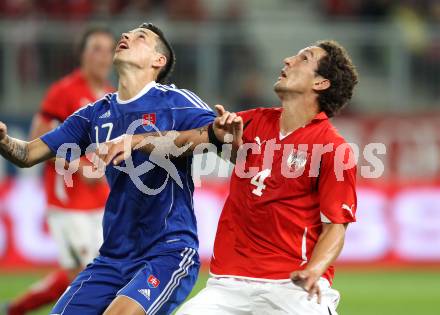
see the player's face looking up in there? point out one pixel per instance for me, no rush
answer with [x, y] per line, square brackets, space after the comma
[96, 57]
[138, 48]
[299, 73]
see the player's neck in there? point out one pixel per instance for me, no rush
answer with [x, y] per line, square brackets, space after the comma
[297, 112]
[132, 82]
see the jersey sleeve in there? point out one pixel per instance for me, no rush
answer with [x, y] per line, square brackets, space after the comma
[337, 185]
[249, 118]
[189, 111]
[247, 115]
[74, 130]
[53, 106]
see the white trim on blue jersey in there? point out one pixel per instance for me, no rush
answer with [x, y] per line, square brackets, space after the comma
[196, 98]
[73, 295]
[160, 88]
[174, 282]
[75, 113]
[190, 96]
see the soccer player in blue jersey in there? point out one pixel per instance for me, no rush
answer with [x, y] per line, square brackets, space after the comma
[148, 262]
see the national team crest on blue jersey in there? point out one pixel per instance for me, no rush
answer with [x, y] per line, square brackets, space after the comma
[148, 120]
[153, 282]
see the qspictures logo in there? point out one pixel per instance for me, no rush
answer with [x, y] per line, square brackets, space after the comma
[296, 160]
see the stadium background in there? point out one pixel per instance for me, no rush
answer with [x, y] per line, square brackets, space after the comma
[230, 52]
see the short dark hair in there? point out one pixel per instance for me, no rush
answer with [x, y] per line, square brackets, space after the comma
[89, 33]
[337, 67]
[165, 48]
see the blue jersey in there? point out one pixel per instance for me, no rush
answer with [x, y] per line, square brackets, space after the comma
[136, 224]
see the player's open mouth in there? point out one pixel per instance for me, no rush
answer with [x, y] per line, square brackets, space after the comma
[122, 45]
[283, 75]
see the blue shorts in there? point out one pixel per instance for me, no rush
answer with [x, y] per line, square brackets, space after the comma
[158, 284]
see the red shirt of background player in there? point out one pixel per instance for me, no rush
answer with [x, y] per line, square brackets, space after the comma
[269, 236]
[63, 99]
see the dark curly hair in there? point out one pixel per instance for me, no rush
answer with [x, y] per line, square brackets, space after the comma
[165, 48]
[337, 67]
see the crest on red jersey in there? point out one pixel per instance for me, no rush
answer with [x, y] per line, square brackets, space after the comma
[148, 120]
[153, 282]
[297, 159]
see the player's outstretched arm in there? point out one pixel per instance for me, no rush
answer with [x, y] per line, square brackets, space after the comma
[22, 153]
[326, 250]
[167, 142]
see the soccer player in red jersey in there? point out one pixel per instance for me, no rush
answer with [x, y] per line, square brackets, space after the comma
[281, 229]
[291, 196]
[74, 213]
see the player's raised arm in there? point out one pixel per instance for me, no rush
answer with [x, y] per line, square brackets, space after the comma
[226, 123]
[23, 153]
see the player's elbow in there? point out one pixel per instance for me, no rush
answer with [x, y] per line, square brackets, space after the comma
[24, 163]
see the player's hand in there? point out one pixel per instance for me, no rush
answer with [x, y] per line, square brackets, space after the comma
[308, 280]
[228, 123]
[116, 150]
[84, 163]
[3, 131]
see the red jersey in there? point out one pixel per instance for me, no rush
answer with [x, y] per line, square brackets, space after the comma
[271, 222]
[64, 98]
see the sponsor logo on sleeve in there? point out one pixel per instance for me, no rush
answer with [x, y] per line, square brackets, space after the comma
[348, 208]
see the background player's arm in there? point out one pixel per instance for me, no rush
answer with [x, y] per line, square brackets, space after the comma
[23, 153]
[40, 126]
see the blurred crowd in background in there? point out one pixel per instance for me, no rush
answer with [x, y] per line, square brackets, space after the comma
[425, 10]
[414, 16]
[393, 41]
[196, 10]
[88, 9]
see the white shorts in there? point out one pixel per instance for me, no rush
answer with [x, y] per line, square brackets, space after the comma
[233, 296]
[78, 236]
